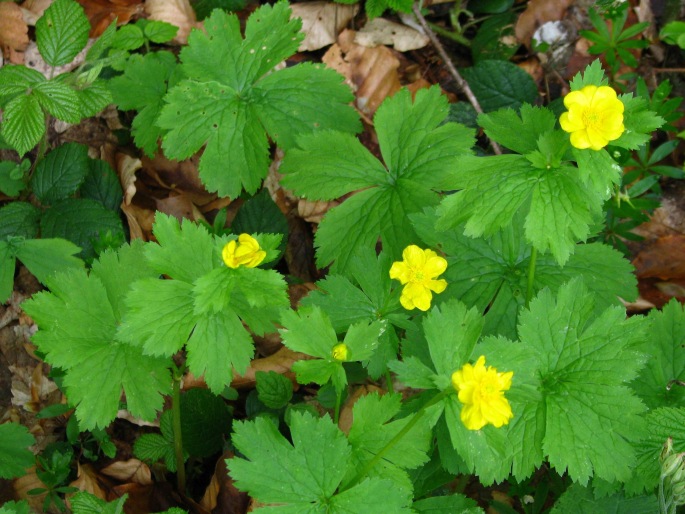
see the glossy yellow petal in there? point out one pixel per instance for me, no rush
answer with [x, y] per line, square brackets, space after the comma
[580, 140]
[400, 271]
[435, 266]
[413, 256]
[570, 122]
[417, 272]
[581, 98]
[596, 138]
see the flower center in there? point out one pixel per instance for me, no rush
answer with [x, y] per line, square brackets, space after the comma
[591, 118]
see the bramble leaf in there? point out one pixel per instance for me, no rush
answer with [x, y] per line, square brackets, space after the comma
[60, 173]
[230, 109]
[419, 154]
[62, 32]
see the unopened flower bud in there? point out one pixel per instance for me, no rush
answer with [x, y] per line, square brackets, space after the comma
[667, 449]
[340, 352]
[671, 464]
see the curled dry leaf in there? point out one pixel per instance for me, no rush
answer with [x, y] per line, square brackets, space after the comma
[371, 72]
[176, 12]
[87, 480]
[101, 13]
[129, 471]
[322, 22]
[314, 211]
[180, 206]
[31, 389]
[221, 496]
[380, 31]
[14, 33]
[126, 167]
[537, 13]
[36, 7]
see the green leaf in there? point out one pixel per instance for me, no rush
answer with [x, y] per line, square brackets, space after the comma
[274, 390]
[43, 257]
[11, 507]
[590, 416]
[10, 183]
[309, 331]
[102, 44]
[315, 464]
[260, 214]
[62, 32]
[7, 266]
[149, 76]
[559, 209]
[81, 221]
[85, 503]
[20, 219]
[581, 500]
[58, 99]
[93, 97]
[230, 109]
[500, 84]
[129, 37]
[153, 447]
[60, 173]
[662, 423]
[102, 185]
[667, 358]
[639, 122]
[15, 79]
[23, 123]
[205, 422]
[160, 31]
[453, 503]
[420, 156]
[519, 134]
[15, 457]
[77, 324]
[593, 75]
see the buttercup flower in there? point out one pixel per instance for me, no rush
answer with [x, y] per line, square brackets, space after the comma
[417, 272]
[594, 117]
[481, 390]
[244, 252]
[340, 352]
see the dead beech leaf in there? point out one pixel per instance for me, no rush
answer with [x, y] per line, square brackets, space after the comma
[14, 33]
[281, 362]
[221, 496]
[180, 206]
[24, 484]
[126, 167]
[663, 259]
[322, 22]
[87, 480]
[380, 31]
[31, 389]
[101, 13]
[129, 471]
[537, 13]
[176, 12]
[314, 211]
[37, 7]
[371, 72]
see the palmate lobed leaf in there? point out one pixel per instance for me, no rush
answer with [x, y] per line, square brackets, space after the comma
[77, 325]
[236, 105]
[15, 457]
[420, 160]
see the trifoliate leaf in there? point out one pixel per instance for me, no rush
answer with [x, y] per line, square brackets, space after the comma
[581, 500]
[492, 273]
[666, 363]
[15, 457]
[236, 105]
[23, 123]
[519, 134]
[62, 32]
[85, 503]
[500, 84]
[662, 423]
[81, 221]
[60, 173]
[160, 31]
[559, 209]
[153, 447]
[93, 97]
[77, 325]
[20, 219]
[419, 154]
[312, 482]
[58, 99]
[205, 422]
[128, 37]
[590, 416]
[102, 184]
[274, 390]
[149, 76]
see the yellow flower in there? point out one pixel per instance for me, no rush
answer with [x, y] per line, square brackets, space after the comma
[340, 352]
[481, 390]
[244, 252]
[594, 117]
[417, 272]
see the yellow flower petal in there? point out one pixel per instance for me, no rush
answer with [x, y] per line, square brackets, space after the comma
[437, 286]
[244, 252]
[417, 272]
[594, 117]
[400, 271]
[413, 256]
[581, 98]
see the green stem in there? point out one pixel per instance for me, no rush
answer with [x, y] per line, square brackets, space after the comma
[404, 431]
[338, 401]
[178, 438]
[531, 274]
[454, 36]
[388, 381]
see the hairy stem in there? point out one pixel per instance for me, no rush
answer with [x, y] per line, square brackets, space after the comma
[178, 438]
[461, 83]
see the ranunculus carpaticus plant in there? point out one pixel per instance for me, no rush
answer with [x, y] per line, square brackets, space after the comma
[490, 324]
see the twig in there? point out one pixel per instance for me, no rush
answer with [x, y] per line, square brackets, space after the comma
[461, 83]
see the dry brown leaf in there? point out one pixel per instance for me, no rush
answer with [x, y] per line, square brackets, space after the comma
[346, 418]
[537, 13]
[314, 210]
[37, 7]
[663, 259]
[281, 362]
[31, 389]
[87, 480]
[101, 13]
[129, 471]
[14, 33]
[322, 22]
[380, 31]
[126, 167]
[23, 485]
[180, 206]
[371, 72]
[221, 496]
[176, 12]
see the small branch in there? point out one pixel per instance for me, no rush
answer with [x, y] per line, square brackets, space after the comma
[461, 83]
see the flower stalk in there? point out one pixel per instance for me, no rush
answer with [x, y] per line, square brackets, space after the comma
[178, 438]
